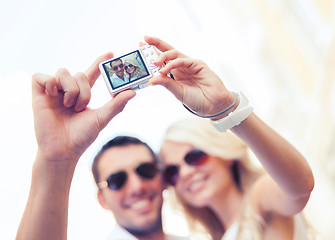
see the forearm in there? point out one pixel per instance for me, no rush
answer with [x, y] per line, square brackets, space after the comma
[281, 160]
[46, 212]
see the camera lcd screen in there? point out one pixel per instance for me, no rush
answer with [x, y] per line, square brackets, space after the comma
[125, 69]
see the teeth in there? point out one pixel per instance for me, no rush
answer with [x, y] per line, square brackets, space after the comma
[195, 185]
[140, 204]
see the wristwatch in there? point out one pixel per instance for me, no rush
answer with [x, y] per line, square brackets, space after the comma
[234, 118]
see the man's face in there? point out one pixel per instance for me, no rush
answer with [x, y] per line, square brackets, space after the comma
[137, 205]
[118, 68]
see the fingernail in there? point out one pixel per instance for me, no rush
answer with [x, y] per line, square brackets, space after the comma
[69, 102]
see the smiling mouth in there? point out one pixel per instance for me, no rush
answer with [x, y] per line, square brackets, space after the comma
[197, 185]
[141, 204]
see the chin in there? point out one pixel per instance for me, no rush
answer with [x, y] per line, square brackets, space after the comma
[197, 204]
[146, 226]
[199, 201]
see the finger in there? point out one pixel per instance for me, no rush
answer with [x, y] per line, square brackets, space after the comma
[160, 44]
[141, 44]
[113, 107]
[167, 56]
[192, 66]
[188, 63]
[68, 85]
[174, 87]
[93, 71]
[84, 95]
[42, 82]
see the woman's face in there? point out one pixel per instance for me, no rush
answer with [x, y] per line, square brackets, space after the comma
[130, 68]
[198, 185]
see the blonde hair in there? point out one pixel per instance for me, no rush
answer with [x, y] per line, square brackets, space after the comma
[227, 146]
[131, 60]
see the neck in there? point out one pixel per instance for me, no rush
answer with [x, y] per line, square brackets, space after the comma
[227, 206]
[152, 236]
[156, 234]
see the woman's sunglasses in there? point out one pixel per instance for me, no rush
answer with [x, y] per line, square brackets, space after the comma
[117, 180]
[128, 66]
[193, 158]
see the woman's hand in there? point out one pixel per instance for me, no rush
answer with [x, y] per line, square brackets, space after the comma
[194, 83]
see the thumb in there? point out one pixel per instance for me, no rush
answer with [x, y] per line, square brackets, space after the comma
[174, 87]
[113, 107]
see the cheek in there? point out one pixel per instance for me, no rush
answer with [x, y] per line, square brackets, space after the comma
[179, 189]
[113, 200]
[218, 174]
[220, 182]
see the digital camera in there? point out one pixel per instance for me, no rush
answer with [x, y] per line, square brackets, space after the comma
[130, 71]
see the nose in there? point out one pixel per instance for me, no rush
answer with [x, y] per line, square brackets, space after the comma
[135, 184]
[185, 171]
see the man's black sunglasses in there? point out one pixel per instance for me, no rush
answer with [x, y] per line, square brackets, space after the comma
[119, 66]
[117, 180]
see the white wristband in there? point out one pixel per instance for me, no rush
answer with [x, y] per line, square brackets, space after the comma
[234, 118]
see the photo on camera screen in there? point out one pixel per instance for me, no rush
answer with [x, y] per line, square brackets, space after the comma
[126, 69]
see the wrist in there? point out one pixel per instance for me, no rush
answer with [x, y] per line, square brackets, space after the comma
[231, 102]
[221, 113]
[234, 117]
[56, 162]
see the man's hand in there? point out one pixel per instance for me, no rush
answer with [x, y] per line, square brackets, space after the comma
[64, 126]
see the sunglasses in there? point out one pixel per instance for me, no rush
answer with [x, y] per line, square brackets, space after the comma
[129, 66]
[116, 67]
[117, 180]
[195, 157]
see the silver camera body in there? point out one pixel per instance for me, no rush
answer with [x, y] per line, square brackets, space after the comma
[130, 71]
